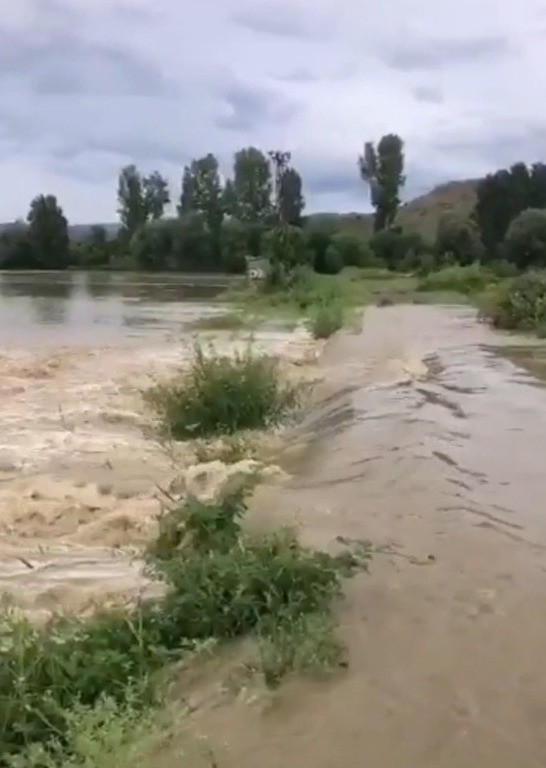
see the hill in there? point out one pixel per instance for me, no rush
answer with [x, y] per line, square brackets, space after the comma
[418, 215]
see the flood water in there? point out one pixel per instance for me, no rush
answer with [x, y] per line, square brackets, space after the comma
[58, 308]
[428, 441]
[427, 437]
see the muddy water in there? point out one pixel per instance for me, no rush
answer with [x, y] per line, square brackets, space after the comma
[79, 463]
[430, 442]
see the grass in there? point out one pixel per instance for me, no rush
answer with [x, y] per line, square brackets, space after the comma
[467, 280]
[227, 321]
[80, 691]
[220, 394]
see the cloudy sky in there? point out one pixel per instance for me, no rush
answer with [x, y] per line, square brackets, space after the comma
[87, 86]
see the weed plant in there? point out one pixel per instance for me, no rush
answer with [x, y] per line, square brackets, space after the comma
[219, 583]
[221, 394]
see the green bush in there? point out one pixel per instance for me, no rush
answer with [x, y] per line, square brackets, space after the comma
[465, 280]
[458, 238]
[219, 584]
[525, 241]
[333, 261]
[354, 251]
[325, 320]
[392, 246]
[286, 246]
[219, 394]
[518, 304]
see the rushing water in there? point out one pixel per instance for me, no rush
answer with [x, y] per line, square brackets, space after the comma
[429, 442]
[58, 308]
[427, 437]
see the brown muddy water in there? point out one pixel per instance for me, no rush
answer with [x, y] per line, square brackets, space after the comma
[429, 442]
[79, 463]
[427, 437]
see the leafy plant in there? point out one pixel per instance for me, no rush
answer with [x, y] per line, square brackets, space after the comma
[220, 394]
[325, 320]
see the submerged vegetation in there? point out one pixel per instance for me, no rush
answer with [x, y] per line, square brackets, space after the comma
[80, 683]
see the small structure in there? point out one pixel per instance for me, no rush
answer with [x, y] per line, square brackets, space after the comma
[256, 269]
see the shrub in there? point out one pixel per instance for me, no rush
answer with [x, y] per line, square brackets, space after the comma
[519, 304]
[90, 678]
[392, 246]
[333, 261]
[325, 320]
[219, 394]
[466, 280]
[353, 250]
[318, 240]
[525, 241]
[233, 246]
[286, 246]
[459, 239]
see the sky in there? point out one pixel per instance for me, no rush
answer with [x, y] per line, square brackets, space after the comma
[88, 86]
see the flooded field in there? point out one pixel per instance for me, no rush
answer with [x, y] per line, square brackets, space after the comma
[80, 463]
[427, 437]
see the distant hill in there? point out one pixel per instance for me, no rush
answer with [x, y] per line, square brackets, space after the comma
[420, 214]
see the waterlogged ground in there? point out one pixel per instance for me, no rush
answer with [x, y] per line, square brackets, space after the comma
[80, 465]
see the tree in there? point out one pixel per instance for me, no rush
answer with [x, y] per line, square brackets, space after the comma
[156, 195]
[133, 210]
[251, 188]
[291, 200]
[48, 233]
[459, 238]
[383, 170]
[525, 242]
[502, 196]
[202, 192]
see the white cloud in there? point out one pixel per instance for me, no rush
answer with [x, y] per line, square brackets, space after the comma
[88, 86]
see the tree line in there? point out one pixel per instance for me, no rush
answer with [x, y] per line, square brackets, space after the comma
[259, 210]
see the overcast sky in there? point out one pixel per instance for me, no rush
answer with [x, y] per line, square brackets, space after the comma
[87, 86]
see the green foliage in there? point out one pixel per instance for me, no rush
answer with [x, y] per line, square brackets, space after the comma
[202, 193]
[234, 246]
[16, 251]
[466, 280]
[398, 249]
[48, 233]
[333, 261]
[220, 395]
[525, 242]
[140, 199]
[77, 687]
[286, 246]
[326, 319]
[291, 199]
[383, 170]
[107, 735]
[458, 239]
[503, 195]
[249, 194]
[518, 304]
[353, 250]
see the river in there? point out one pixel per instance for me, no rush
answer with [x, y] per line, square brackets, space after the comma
[80, 463]
[427, 437]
